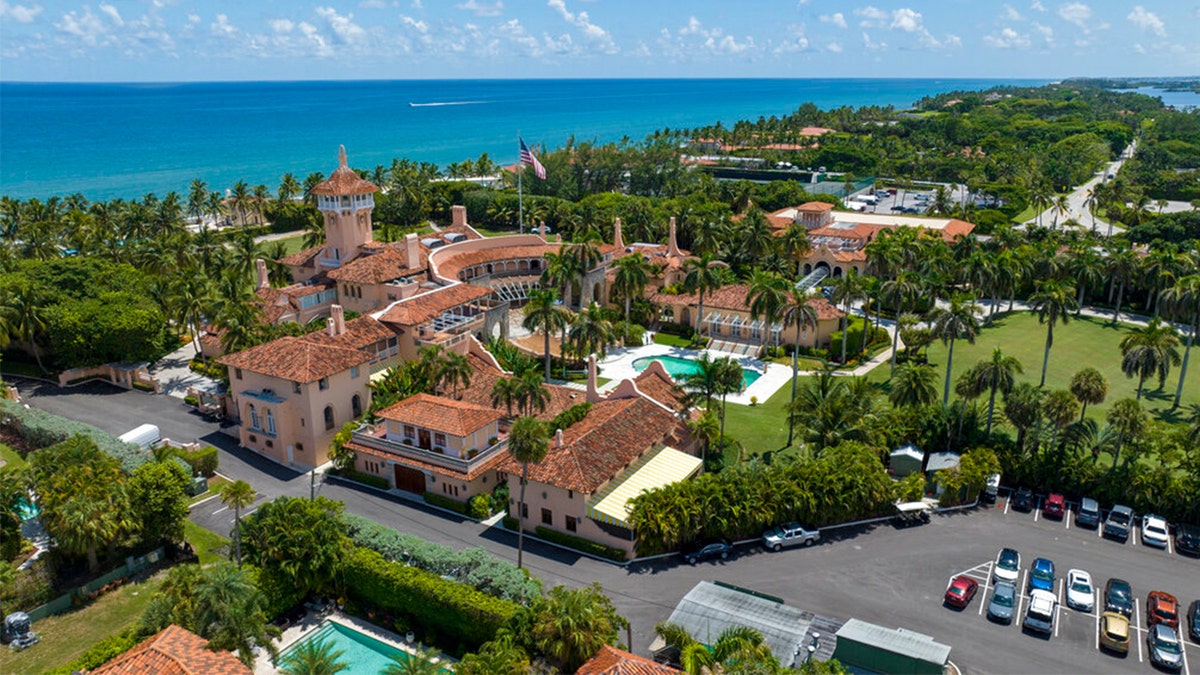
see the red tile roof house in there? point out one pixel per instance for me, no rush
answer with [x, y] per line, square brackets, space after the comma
[173, 651]
[613, 661]
[727, 317]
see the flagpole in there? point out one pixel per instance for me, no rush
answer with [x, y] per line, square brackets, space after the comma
[520, 196]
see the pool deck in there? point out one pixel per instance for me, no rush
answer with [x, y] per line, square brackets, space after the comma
[618, 365]
[313, 621]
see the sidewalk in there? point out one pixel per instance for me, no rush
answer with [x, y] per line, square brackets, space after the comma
[173, 374]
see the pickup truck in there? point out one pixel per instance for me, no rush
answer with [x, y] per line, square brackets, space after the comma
[1119, 520]
[1042, 608]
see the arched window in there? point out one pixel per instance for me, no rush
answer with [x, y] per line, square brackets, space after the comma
[270, 423]
[328, 417]
[356, 405]
[253, 417]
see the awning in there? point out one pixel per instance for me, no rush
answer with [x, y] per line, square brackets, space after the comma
[655, 469]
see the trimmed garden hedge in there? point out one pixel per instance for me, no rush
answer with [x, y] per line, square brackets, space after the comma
[42, 429]
[203, 461]
[455, 612]
[446, 503]
[365, 479]
[580, 544]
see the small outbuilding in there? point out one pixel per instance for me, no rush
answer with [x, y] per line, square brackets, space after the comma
[905, 460]
[866, 646]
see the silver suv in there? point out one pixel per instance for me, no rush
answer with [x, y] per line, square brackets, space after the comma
[789, 534]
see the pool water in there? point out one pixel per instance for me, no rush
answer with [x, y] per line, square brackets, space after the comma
[362, 653]
[27, 509]
[679, 368]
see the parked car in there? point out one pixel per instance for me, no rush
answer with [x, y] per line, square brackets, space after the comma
[1039, 617]
[1088, 514]
[1154, 531]
[1004, 598]
[718, 548]
[789, 534]
[1023, 500]
[1162, 608]
[1165, 649]
[1193, 620]
[1114, 632]
[961, 591]
[1055, 506]
[1041, 575]
[1187, 539]
[1008, 565]
[1118, 522]
[992, 488]
[1118, 597]
[1080, 592]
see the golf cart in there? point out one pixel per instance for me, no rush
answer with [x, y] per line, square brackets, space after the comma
[911, 513]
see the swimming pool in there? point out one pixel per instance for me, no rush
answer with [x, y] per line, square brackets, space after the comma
[27, 509]
[679, 368]
[364, 654]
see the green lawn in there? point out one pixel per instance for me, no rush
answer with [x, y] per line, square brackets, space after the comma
[10, 457]
[293, 244]
[66, 636]
[208, 545]
[672, 341]
[761, 428]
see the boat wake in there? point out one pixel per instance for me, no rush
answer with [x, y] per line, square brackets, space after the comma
[433, 104]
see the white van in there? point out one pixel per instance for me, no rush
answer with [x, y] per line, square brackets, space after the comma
[145, 437]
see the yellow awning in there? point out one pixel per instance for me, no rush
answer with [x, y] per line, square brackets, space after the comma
[655, 469]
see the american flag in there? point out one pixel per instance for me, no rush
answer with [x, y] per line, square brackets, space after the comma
[528, 158]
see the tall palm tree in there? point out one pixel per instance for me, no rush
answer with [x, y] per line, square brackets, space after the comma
[1052, 301]
[702, 383]
[1023, 408]
[27, 318]
[1150, 349]
[314, 657]
[590, 332]
[230, 612]
[1184, 295]
[848, 289]
[914, 386]
[1089, 386]
[532, 395]
[528, 444]
[1087, 268]
[189, 296]
[702, 276]
[1129, 420]
[996, 375]
[957, 320]
[239, 200]
[1060, 406]
[455, 371]
[631, 278]
[900, 291]
[544, 313]
[768, 295]
[506, 392]
[794, 245]
[729, 380]
[798, 310]
[1121, 266]
[289, 187]
[237, 495]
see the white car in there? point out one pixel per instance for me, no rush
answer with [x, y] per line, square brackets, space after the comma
[1040, 615]
[1080, 592]
[1008, 565]
[1154, 531]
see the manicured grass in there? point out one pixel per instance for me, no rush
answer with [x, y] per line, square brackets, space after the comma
[208, 545]
[11, 458]
[214, 484]
[582, 377]
[761, 428]
[293, 244]
[672, 341]
[66, 636]
[1083, 342]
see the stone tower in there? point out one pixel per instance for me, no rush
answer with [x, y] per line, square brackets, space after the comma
[346, 202]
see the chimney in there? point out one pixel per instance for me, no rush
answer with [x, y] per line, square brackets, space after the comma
[412, 250]
[339, 320]
[672, 245]
[263, 279]
[542, 229]
[458, 215]
[330, 327]
[592, 394]
[558, 438]
[618, 240]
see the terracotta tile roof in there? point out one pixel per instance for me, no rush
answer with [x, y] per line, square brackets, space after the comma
[449, 266]
[735, 297]
[862, 231]
[652, 384]
[343, 181]
[476, 469]
[613, 661]
[296, 359]
[427, 306]
[484, 378]
[302, 258]
[438, 413]
[858, 255]
[360, 333]
[173, 651]
[273, 303]
[614, 433]
[814, 207]
[377, 268]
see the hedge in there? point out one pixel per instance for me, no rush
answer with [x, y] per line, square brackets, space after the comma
[446, 503]
[100, 653]
[365, 479]
[203, 461]
[42, 429]
[580, 544]
[473, 566]
[455, 612]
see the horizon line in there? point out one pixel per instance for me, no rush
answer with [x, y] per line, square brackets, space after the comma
[587, 79]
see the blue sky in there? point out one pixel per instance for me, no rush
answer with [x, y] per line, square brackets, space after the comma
[186, 40]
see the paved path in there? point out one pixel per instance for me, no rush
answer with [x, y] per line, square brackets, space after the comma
[1077, 199]
[173, 374]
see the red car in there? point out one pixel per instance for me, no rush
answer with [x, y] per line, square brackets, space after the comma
[1055, 506]
[960, 592]
[1162, 608]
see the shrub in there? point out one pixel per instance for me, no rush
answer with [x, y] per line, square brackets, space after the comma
[204, 461]
[366, 479]
[191, 400]
[143, 386]
[580, 544]
[455, 613]
[854, 340]
[42, 429]
[29, 588]
[446, 502]
[480, 507]
[570, 416]
[681, 329]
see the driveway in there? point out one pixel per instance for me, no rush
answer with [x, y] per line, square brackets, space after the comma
[1077, 199]
[173, 374]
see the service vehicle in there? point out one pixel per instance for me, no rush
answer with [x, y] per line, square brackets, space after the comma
[1040, 615]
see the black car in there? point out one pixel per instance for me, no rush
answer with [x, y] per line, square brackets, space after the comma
[718, 548]
[1023, 500]
[1118, 597]
[1187, 539]
[1193, 621]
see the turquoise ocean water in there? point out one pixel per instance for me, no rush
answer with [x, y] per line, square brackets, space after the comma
[125, 140]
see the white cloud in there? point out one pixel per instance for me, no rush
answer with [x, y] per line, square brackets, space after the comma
[1046, 32]
[281, 25]
[482, 9]
[193, 18]
[1076, 13]
[19, 13]
[416, 4]
[345, 31]
[1147, 21]
[1139, 49]
[870, 45]
[872, 17]
[596, 35]
[1037, 6]
[906, 20]
[1011, 13]
[797, 40]
[1007, 38]
[415, 24]
[373, 4]
[833, 47]
[837, 18]
[112, 14]
[87, 27]
[695, 39]
[222, 27]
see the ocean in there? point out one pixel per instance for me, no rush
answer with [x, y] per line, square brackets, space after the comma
[127, 140]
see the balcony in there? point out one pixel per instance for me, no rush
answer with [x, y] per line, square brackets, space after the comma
[373, 436]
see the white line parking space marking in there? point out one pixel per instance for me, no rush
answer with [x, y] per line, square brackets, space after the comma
[1020, 596]
[1067, 517]
[1096, 613]
[1183, 650]
[1058, 607]
[1170, 549]
[226, 508]
[1137, 623]
[1007, 502]
[1037, 509]
[1133, 534]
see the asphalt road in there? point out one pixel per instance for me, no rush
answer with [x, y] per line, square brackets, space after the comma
[875, 573]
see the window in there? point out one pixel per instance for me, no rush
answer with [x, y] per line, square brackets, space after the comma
[253, 438]
[410, 432]
[270, 423]
[300, 447]
[547, 517]
[237, 372]
[323, 383]
[354, 372]
[302, 422]
[524, 510]
[572, 523]
[270, 443]
[253, 418]
[570, 494]
[356, 405]
[295, 387]
[439, 439]
[328, 417]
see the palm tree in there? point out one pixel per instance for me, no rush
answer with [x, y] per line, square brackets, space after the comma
[729, 378]
[82, 525]
[768, 295]
[506, 392]
[1121, 265]
[237, 495]
[190, 295]
[1060, 406]
[794, 245]
[1087, 268]
[1023, 408]
[314, 657]
[455, 371]
[1184, 295]
[423, 661]
[544, 313]
[1061, 206]
[27, 319]
[1128, 419]
[1089, 386]
[631, 278]
[996, 375]
[1052, 301]
[703, 381]
[832, 409]
[706, 428]
[289, 187]
[528, 444]
[914, 386]
[239, 200]
[1150, 349]
[701, 276]
[848, 289]
[956, 320]
[798, 310]
[230, 613]
[532, 395]
[900, 291]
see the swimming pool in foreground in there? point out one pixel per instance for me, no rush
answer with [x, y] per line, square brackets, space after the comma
[362, 653]
[679, 368]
